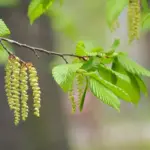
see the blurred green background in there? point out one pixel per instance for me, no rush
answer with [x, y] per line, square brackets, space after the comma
[98, 126]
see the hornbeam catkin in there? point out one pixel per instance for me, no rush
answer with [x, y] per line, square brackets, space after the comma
[134, 19]
[80, 82]
[23, 91]
[72, 100]
[15, 89]
[33, 80]
[8, 73]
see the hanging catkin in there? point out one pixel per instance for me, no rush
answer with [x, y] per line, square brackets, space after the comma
[134, 19]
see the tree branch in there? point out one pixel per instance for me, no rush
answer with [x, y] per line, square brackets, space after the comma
[36, 49]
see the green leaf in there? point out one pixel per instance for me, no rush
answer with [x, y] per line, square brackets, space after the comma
[3, 53]
[104, 94]
[115, 44]
[105, 60]
[113, 10]
[3, 29]
[141, 85]
[130, 87]
[97, 49]
[106, 70]
[91, 64]
[116, 90]
[132, 66]
[64, 75]
[113, 76]
[146, 22]
[145, 7]
[37, 8]
[80, 49]
[83, 96]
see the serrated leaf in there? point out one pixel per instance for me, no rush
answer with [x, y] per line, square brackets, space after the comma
[64, 75]
[130, 87]
[3, 29]
[110, 71]
[142, 85]
[83, 96]
[115, 89]
[132, 66]
[37, 8]
[113, 10]
[104, 94]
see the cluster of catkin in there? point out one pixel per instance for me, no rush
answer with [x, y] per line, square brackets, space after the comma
[17, 76]
[75, 96]
[134, 19]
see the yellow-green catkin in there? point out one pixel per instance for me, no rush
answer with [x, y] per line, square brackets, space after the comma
[72, 100]
[33, 80]
[8, 73]
[134, 19]
[80, 82]
[23, 91]
[15, 87]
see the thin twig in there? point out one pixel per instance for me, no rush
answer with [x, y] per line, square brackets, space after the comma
[36, 49]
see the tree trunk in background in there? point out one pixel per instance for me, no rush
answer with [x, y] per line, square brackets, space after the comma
[48, 131]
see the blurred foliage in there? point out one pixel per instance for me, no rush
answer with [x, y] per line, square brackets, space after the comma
[8, 3]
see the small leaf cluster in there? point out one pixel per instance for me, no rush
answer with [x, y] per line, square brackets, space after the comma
[17, 75]
[110, 76]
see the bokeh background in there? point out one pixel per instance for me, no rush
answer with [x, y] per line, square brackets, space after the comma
[98, 127]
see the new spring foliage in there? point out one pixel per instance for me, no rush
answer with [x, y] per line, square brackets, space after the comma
[122, 80]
